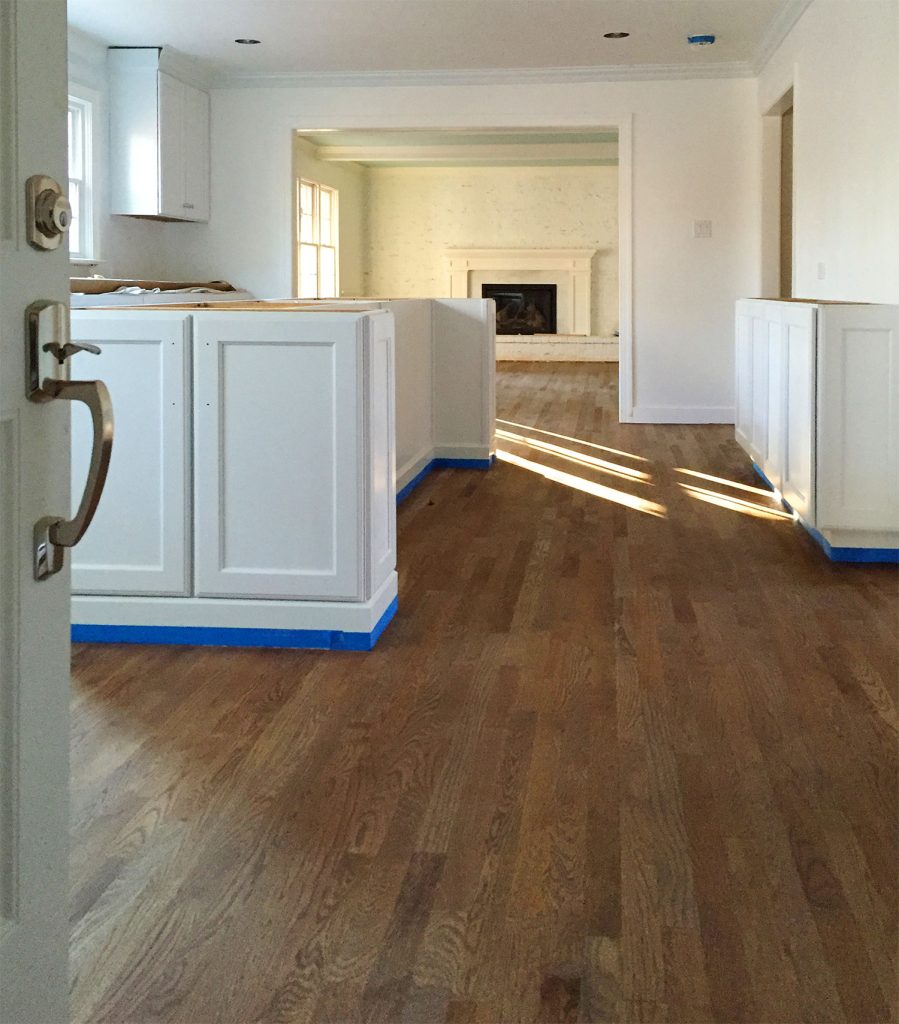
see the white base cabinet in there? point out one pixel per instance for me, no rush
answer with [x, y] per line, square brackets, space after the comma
[251, 495]
[817, 389]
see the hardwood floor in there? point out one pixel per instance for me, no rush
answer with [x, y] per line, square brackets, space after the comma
[627, 753]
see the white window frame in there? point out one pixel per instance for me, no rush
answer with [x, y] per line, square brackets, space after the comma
[84, 103]
[316, 242]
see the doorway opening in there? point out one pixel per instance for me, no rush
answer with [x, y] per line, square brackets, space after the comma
[778, 200]
[413, 200]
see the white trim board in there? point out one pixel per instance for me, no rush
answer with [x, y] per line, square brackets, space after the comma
[683, 414]
[484, 76]
[228, 613]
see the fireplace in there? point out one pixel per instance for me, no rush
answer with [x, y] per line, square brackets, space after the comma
[523, 308]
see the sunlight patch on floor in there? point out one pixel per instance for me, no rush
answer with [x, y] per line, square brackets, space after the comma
[579, 483]
[603, 465]
[576, 440]
[749, 508]
[763, 491]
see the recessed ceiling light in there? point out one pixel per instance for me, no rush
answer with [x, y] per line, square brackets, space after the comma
[248, 42]
[615, 35]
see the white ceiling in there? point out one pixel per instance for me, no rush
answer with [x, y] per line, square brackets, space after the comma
[370, 36]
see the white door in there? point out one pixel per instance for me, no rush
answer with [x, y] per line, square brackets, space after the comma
[34, 483]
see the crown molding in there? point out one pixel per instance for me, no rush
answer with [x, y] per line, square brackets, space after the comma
[778, 30]
[485, 76]
[467, 154]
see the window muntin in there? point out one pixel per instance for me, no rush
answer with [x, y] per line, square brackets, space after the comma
[80, 183]
[317, 269]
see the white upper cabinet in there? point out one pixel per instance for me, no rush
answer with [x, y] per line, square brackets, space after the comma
[159, 139]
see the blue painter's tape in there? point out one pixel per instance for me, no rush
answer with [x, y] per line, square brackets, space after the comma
[864, 556]
[464, 463]
[404, 493]
[401, 495]
[759, 473]
[227, 636]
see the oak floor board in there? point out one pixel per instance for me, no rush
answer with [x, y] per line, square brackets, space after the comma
[627, 753]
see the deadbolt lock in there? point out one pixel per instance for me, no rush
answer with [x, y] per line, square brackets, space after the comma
[48, 212]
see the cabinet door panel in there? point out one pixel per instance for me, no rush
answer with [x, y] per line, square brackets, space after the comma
[195, 147]
[799, 425]
[381, 451]
[774, 434]
[278, 436]
[858, 418]
[137, 543]
[743, 362]
[171, 146]
[758, 438]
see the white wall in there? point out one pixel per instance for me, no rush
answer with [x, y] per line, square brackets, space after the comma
[349, 180]
[842, 59]
[415, 213]
[695, 156]
[126, 246]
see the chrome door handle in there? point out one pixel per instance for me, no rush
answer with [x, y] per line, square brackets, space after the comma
[53, 534]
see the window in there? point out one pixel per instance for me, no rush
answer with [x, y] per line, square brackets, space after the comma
[317, 233]
[81, 232]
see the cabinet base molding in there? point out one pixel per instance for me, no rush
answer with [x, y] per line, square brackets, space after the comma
[858, 546]
[222, 622]
[484, 460]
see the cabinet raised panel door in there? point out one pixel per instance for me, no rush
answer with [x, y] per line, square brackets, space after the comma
[195, 147]
[172, 155]
[279, 446]
[138, 542]
[798, 384]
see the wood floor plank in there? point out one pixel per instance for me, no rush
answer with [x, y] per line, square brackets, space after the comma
[627, 753]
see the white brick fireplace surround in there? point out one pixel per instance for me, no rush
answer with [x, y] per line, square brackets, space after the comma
[568, 269]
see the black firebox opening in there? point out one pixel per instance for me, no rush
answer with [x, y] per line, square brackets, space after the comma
[523, 308]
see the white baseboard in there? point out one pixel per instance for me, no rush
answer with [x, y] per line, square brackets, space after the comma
[682, 414]
[462, 451]
[547, 349]
[412, 467]
[228, 613]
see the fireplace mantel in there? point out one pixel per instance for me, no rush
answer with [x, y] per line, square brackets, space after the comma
[569, 268]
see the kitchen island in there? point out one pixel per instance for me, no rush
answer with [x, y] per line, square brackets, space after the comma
[251, 499]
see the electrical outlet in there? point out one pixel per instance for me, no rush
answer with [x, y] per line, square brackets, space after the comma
[702, 229]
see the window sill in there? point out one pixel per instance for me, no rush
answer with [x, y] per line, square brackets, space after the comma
[81, 262]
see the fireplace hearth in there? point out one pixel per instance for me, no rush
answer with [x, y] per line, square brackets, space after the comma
[523, 308]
